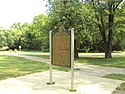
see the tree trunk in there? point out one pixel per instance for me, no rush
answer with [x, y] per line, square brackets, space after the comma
[107, 41]
[103, 34]
[110, 22]
[109, 45]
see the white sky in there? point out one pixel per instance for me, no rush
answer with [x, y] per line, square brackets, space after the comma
[19, 11]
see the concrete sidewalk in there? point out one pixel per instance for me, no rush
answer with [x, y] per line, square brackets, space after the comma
[36, 84]
[88, 80]
[21, 54]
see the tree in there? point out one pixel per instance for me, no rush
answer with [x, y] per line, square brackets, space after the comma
[35, 34]
[72, 14]
[28, 35]
[17, 31]
[105, 11]
[2, 37]
[119, 34]
[39, 24]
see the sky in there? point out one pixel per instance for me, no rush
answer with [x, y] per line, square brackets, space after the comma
[20, 11]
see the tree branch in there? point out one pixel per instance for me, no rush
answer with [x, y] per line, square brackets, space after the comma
[115, 7]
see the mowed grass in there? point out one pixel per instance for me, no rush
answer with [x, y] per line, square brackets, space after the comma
[14, 66]
[110, 62]
[116, 61]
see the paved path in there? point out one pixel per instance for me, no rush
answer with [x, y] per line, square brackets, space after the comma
[88, 80]
[34, 58]
[26, 57]
[36, 84]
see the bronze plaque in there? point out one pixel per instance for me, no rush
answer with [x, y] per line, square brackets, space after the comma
[61, 45]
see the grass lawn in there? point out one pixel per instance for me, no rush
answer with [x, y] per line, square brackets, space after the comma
[116, 61]
[118, 77]
[13, 66]
[111, 62]
[94, 59]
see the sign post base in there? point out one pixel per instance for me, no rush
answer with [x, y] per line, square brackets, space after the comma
[50, 83]
[72, 90]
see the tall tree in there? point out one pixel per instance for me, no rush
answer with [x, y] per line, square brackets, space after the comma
[2, 37]
[35, 34]
[72, 14]
[17, 31]
[105, 11]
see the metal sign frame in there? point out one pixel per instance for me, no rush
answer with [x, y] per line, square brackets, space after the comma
[72, 60]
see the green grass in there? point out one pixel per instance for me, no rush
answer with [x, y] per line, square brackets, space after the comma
[121, 87]
[14, 66]
[117, 61]
[111, 62]
[47, 57]
[117, 77]
[66, 69]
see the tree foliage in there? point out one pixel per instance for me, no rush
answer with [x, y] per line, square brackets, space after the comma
[99, 26]
[29, 36]
[105, 12]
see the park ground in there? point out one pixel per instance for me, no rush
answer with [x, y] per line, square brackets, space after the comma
[87, 76]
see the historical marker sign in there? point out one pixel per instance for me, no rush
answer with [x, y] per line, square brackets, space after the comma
[62, 52]
[61, 48]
